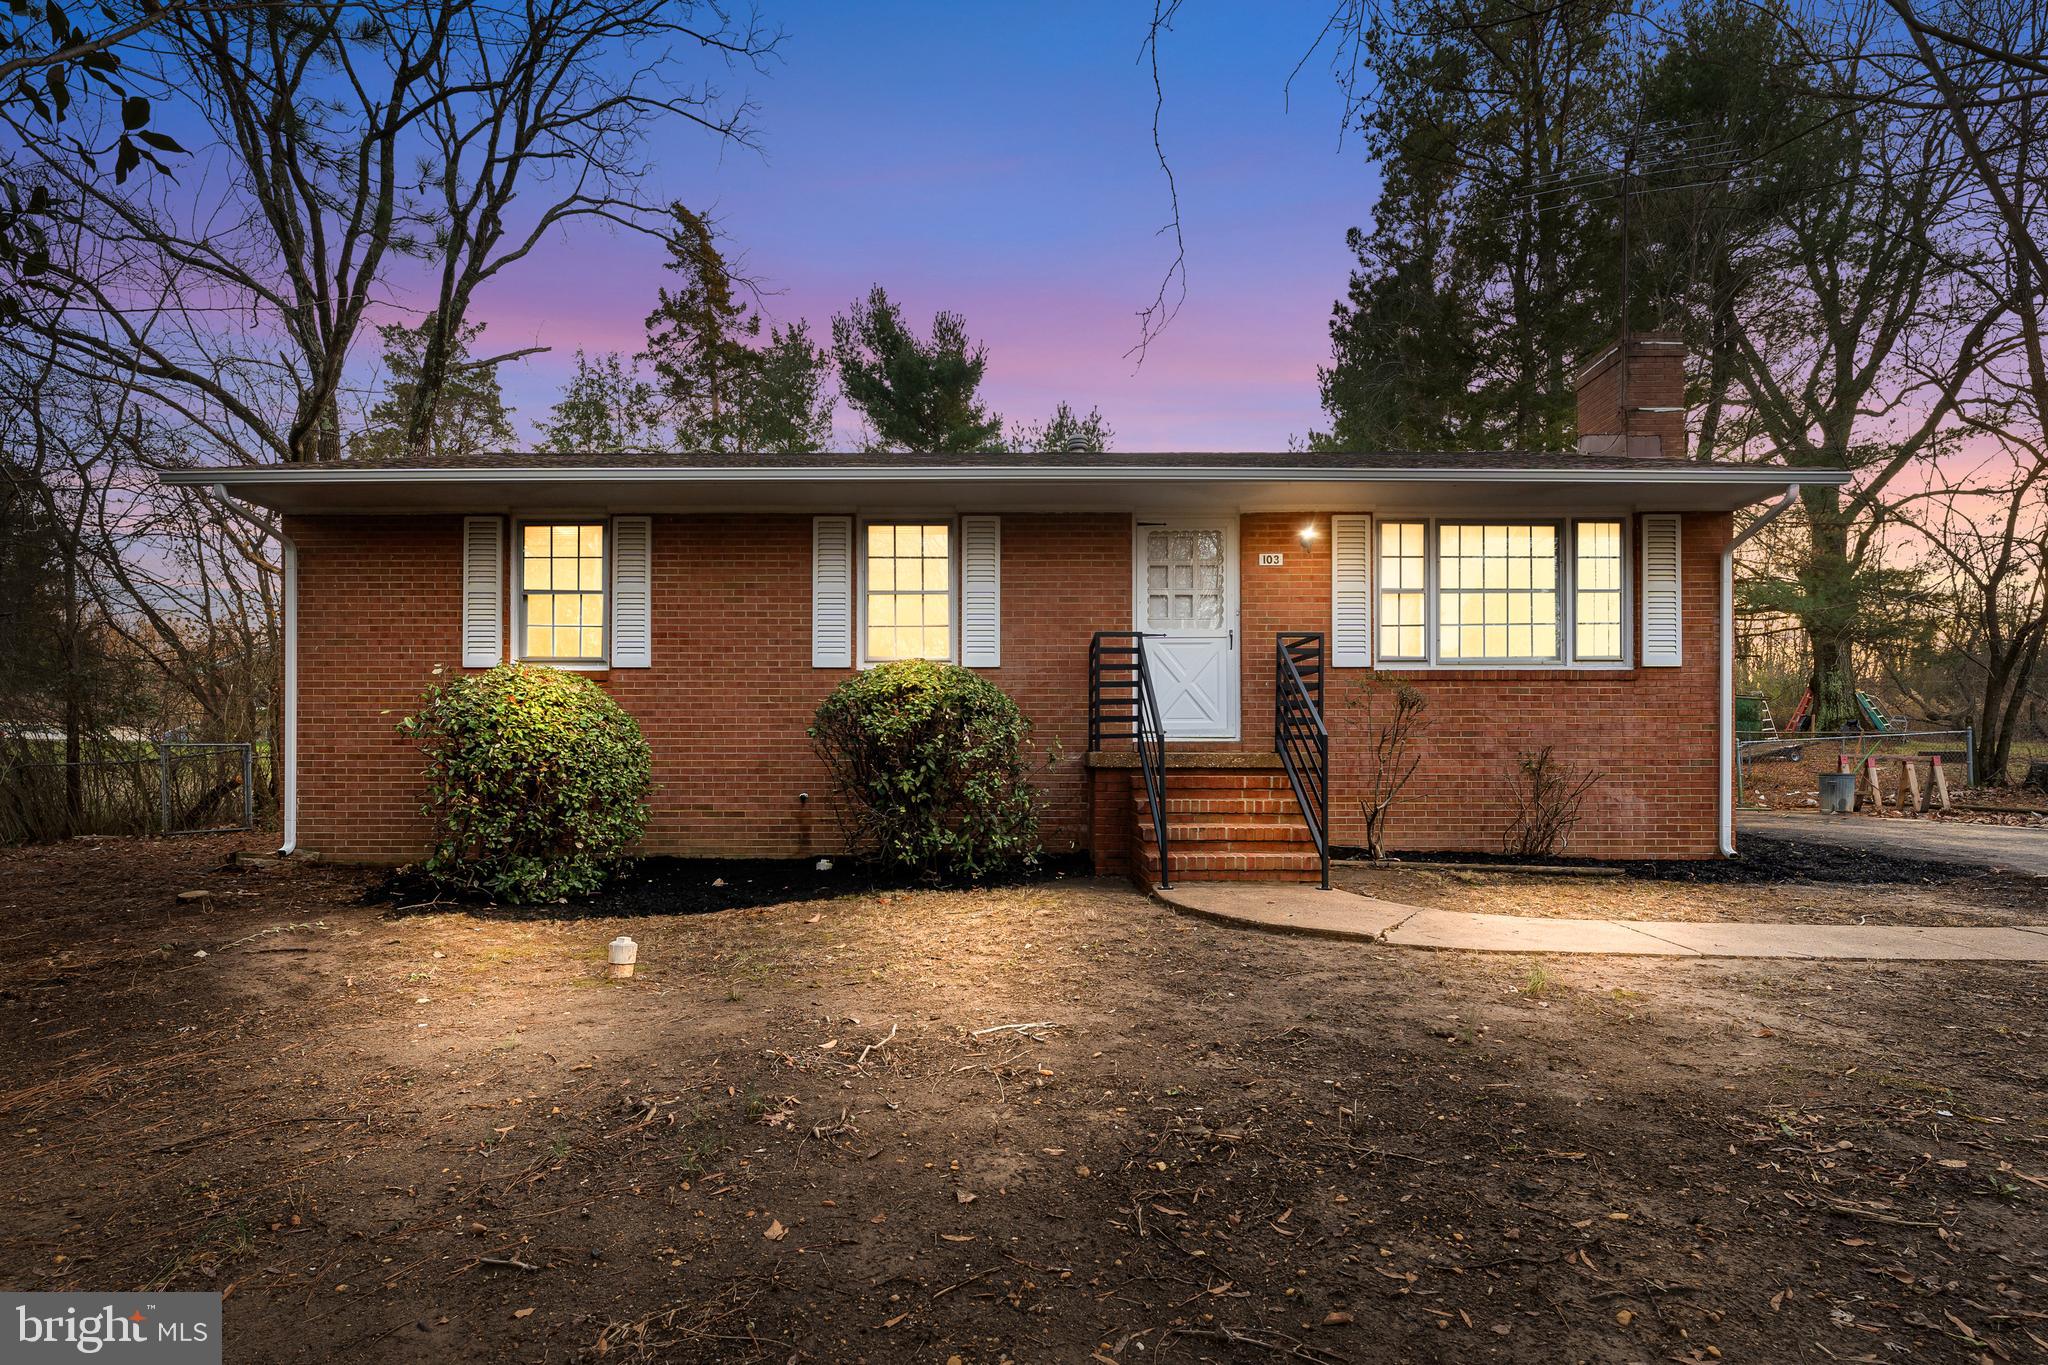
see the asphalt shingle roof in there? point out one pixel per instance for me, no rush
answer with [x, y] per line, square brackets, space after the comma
[1193, 460]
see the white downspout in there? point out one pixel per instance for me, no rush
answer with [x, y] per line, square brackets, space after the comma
[1725, 806]
[291, 695]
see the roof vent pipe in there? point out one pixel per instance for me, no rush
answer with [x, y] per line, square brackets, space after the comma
[1079, 445]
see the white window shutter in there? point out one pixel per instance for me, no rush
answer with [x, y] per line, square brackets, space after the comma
[981, 592]
[632, 592]
[483, 585]
[1351, 592]
[831, 592]
[1663, 619]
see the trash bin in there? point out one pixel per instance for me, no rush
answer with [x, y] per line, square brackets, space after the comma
[1838, 793]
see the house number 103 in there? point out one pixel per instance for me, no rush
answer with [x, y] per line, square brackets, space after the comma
[1271, 559]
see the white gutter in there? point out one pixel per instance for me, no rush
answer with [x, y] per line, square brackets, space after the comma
[274, 475]
[290, 630]
[1725, 805]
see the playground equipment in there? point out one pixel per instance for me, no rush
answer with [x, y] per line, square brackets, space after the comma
[1869, 715]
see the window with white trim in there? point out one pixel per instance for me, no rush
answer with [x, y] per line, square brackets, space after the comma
[562, 592]
[1597, 591]
[1404, 586]
[907, 590]
[1506, 593]
[1497, 593]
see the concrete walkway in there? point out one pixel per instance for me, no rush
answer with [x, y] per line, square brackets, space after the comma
[1347, 915]
[1997, 846]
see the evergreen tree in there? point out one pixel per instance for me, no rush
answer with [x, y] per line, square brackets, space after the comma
[699, 338]
[916, 394]
[606, 406]
[720, 389]
[1476, 286]
[786, 408]
[1064, 430]
[470, 416]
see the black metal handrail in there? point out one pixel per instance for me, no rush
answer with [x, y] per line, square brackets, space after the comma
[1122, 704]
[1299, 735]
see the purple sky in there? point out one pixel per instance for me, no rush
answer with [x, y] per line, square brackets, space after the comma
[1001, 166]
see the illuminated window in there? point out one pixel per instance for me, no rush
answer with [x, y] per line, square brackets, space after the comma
[909, 591]
[1596, 590]
[561, 593]
[1497, 593]
[1403, 583]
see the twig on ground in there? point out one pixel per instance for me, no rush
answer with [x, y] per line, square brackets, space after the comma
[513, 1262]
[1265, 1338]
[1025, 1029]
[862, 1060]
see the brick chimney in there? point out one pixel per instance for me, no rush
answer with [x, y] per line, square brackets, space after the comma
[1638, 412]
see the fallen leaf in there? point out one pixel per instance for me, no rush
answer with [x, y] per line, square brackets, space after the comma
[776, 1232]
[522, 1312]
[893, 1321]
[964, 1196]
[1336, 1318]
[956, 1236]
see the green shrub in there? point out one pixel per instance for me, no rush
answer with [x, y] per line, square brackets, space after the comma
[928, 763]
[536, 781]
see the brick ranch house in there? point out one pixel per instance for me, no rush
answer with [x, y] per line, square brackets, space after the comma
[1579, 600]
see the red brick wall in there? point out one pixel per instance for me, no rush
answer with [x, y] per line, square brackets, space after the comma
[1650, 732]
[1656, 380]
[732, 689]
[730, 694]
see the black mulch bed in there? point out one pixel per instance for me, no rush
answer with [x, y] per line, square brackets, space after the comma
[1760, 859]
[696, 886]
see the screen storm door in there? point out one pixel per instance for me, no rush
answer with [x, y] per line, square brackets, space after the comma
[1186, 603]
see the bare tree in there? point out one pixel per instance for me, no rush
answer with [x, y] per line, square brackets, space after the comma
[1989, 547]
[449, 135]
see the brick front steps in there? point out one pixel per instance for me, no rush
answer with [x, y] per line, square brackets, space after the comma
[1224, 825]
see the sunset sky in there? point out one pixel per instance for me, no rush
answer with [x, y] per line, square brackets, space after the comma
[998, 162]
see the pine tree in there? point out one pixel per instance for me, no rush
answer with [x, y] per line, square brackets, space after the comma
[699, 339]
[787, 407]
[1474, 292]
[470, 416]
[916, 394]
[606, 406]
[720, 389]
[1064, 430]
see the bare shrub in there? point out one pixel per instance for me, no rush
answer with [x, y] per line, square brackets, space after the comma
[1548, 793]
[1392, 759]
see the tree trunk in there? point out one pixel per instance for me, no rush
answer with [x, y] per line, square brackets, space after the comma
[74, 709]
[1829, 613]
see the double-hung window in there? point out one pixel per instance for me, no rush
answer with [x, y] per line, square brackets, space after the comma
[1597, 591]
[907, 590]
[1513, 593]
[562, 592]
[1404, 591]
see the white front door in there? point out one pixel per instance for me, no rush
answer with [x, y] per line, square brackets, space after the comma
[1186, 600]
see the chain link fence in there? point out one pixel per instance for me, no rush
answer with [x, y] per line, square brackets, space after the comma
[183, 787]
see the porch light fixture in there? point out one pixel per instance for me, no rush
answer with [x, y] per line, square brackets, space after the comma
[1308, 535]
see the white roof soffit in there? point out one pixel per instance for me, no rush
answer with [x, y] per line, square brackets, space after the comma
[314, 490]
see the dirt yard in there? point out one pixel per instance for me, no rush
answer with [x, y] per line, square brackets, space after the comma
[1052, 1123]
[1776, 879]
